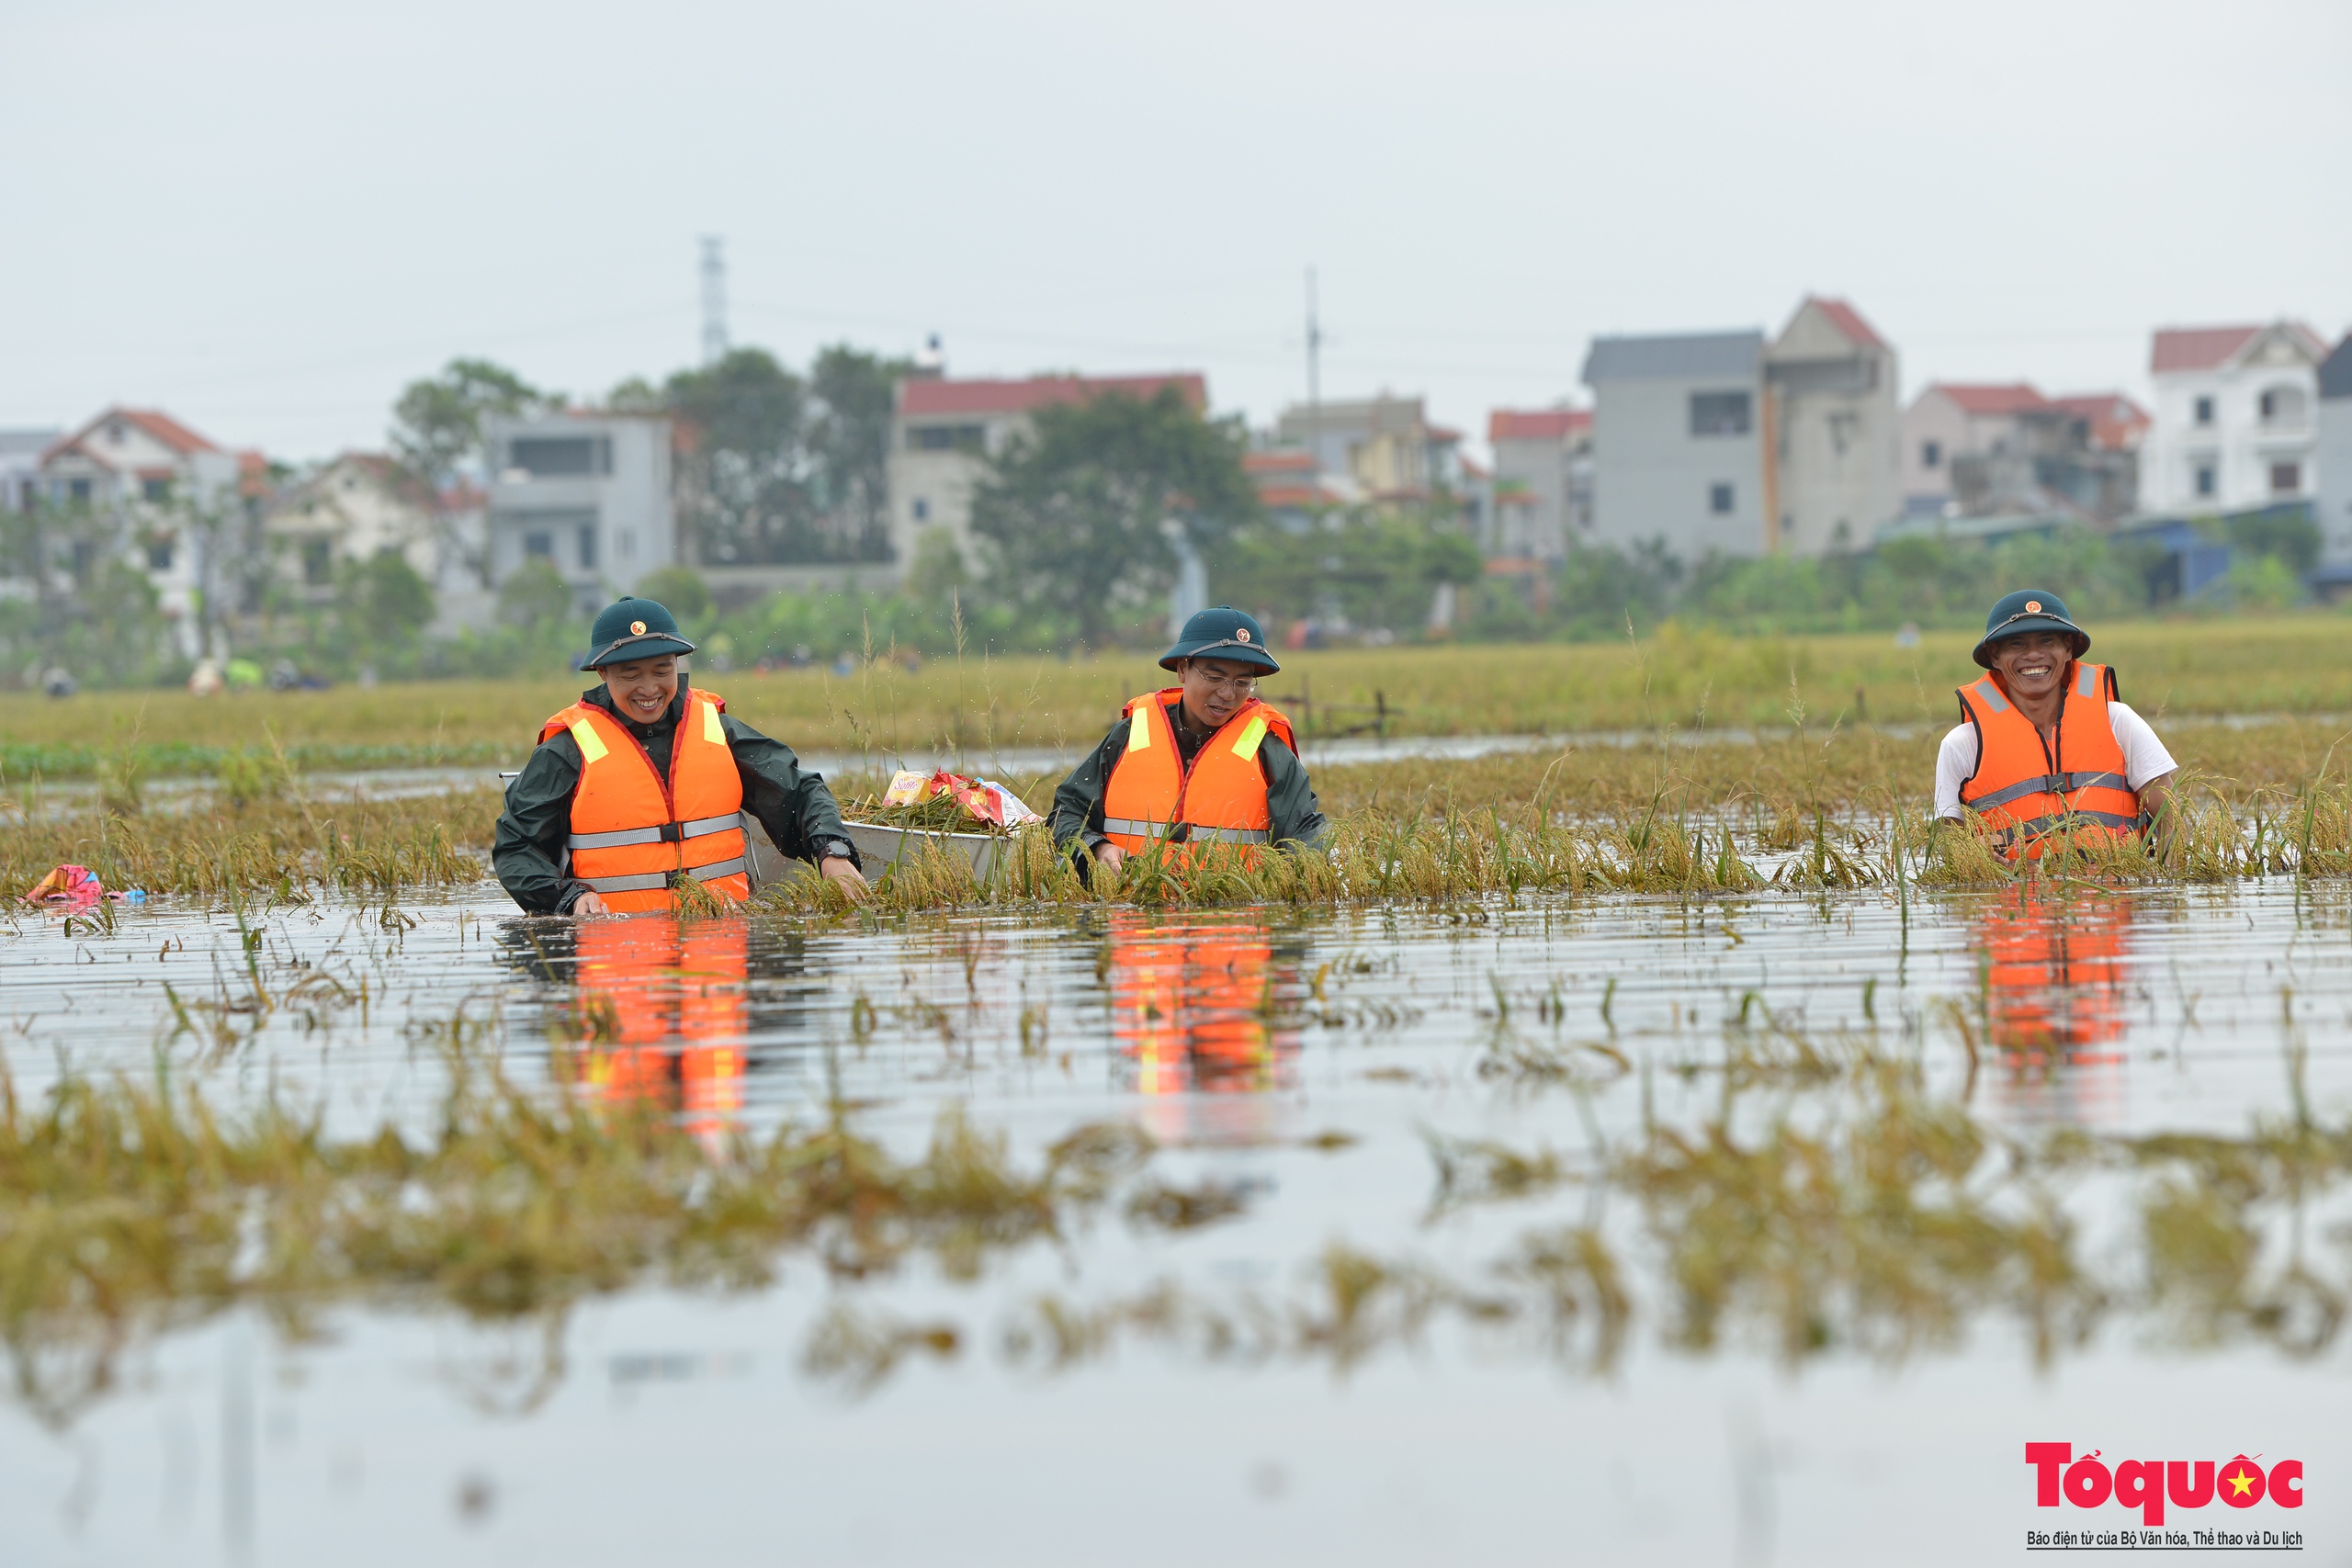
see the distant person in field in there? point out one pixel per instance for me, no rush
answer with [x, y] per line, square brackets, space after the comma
[1204, 761]
[2045, 745]
[643, 782]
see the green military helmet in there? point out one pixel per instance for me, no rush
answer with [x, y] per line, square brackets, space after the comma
[2029, 610]
[1222, 632]
[633, 629]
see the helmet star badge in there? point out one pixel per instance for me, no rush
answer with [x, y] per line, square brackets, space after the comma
[1241, 634]
[2033, 607]
[638, 628]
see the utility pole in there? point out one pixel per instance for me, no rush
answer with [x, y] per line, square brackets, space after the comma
[1314, 379]
[714, 299]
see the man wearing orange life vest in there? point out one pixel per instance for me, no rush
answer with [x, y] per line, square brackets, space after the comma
[2045, 744]
[645, 779]
[1202, 761]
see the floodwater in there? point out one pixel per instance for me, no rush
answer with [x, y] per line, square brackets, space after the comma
[1633, 1230]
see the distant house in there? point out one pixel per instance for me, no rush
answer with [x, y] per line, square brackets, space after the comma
[944, 432]
[2332, 456]
[361, 505]
[1291, 487]
[1384, 448]
[1977, 450]
[586, 492]
[1678, 442]
[161, 486]
[1543, 483]
[2235, 417]
[20, 453]
[1830, 452]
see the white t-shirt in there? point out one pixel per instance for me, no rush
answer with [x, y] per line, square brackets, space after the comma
[2144, 758]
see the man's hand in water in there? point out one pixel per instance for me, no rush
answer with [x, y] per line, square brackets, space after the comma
[842, 869]
[1109, 856]
[589, 903]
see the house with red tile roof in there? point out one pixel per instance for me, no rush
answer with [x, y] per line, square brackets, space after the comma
[1830, 455]
[159, 483]
[2235, 417]
[943, 432]
[1543, 483]
[362, 504]
[1980, 449]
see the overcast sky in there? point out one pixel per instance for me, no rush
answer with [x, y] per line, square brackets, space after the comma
[266, 217]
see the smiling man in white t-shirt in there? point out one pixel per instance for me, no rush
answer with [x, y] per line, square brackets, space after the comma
[2045, 741]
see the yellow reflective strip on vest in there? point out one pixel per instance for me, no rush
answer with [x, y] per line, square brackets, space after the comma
[1245, 745]
[711, 731]
[592, 745]
[1139, 729]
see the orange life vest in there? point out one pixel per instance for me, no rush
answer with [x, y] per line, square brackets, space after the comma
[2029, 791]
[1190, 1004]
[1219, 799]
[631, 828]
[669, 1013]
[2056, 974]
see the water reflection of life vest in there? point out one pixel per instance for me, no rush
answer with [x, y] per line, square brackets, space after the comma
[1193, 1006]
[661, 1003]
[2056, 974]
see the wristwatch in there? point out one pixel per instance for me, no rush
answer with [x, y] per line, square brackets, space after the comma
[836, 848]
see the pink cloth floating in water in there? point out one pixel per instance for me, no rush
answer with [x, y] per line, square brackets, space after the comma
[71, 884]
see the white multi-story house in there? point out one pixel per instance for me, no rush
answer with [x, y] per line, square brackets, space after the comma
[2234, 424]
[171, 497]
[1830, 452]
[945, 433]
[364, 504]
[586, 492]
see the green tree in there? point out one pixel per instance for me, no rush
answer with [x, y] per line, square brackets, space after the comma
[1371, 568]
[1078, 515]
[849, 438]
[534, 596]
[742, 476]
[382, 602]
[436, 424]
[679, 590]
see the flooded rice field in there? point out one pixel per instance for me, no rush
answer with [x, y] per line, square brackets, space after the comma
[1645, 1230]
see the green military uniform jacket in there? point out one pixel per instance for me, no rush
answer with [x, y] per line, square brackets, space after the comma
[1290, 800]
[791, 803]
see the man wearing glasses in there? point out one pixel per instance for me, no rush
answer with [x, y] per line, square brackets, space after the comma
[1201, 762]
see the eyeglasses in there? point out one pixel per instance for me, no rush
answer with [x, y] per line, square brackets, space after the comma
[1242, 686]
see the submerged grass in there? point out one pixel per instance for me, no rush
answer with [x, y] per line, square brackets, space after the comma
[1810, 810]
[2294, 663]
[129, 1207]
[277, 847]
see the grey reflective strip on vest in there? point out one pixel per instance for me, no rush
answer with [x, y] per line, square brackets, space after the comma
[2041, 827]
[2062, 783]
[1194, 835]
[615, 840]
[643, 883]
[619, 838]
[646, 882]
